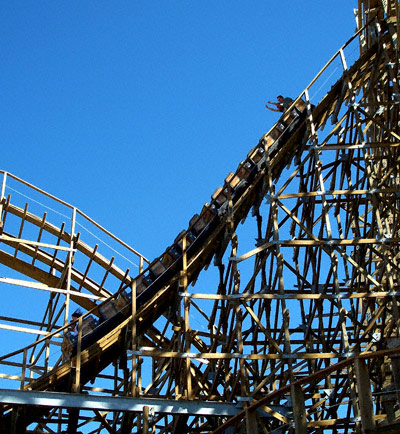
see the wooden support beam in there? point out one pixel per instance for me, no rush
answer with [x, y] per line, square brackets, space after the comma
[364, 395]
[251, 422]
[299, 409]
[395, 362]
[145, 416]
[73, 420]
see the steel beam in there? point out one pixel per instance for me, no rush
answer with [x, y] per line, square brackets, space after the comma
[112, 403]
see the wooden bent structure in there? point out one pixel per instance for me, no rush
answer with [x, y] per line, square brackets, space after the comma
[302, 331]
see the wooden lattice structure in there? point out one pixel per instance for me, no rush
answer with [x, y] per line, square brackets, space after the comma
[298, 333]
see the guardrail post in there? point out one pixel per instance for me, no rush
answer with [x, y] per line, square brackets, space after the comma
[24, 368]
[3, 189]
[134, 346]
[186, 331]
[69, 265]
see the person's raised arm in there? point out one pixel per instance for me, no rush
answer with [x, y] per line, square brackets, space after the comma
[276, 104]
[271, 108]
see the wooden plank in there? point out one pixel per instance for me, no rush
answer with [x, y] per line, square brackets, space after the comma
[12, 240]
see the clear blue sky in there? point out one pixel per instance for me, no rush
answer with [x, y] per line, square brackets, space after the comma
[135, 111]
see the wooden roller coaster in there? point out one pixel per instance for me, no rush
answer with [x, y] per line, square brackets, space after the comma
[301, 333]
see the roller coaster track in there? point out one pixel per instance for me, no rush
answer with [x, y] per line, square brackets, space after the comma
[53, 259]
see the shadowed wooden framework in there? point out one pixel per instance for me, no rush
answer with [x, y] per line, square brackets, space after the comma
[297, 333]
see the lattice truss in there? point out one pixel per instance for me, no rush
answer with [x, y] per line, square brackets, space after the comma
[297, 333]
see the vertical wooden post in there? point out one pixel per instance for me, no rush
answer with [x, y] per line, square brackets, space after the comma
[364, 395]
[16, 420]
[251, 421]
[395, 362]
[135, 388]
[76, 387]
[47, 356]
[23, 369]
[69, 265]
[388, 403]
[396, 374]
[186, 303]
[299, 409]
[133, 343]
[73, 420]
[145, 429]
[397, 26]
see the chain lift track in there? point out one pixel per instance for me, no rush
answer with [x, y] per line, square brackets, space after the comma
[301, 331]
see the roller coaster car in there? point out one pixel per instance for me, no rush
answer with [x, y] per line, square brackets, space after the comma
[190, 237]
[285, 127]
[207, 213]
[169, 257]
[234, 181]
[155, 270]
[110, 308]
[219, 196]
[256, 155]
[239, 181]
[244, 170]
[197, 224]
[69, 339]
[123, 300]
[172, 259]
[107, 310]
[141, 284]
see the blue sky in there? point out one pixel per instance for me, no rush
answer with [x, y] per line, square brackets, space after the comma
[135, 111]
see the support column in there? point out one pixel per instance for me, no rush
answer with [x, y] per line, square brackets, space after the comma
[299, 409]
[364, 396]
